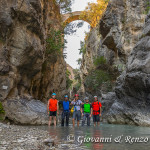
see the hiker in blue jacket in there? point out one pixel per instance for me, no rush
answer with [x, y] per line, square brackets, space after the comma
[66, 111]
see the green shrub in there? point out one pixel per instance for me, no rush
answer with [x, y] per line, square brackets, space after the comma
[1, 108]
[54, 44]
[77, 87]
[82, 50]
[120, 67]
[79, 61]
[99, 61]
[147, 9]
[2, 112]
[96, 78]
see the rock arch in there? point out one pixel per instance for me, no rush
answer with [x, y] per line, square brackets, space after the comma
[69, 17]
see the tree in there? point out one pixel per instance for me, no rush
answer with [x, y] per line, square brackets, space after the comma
[82, 50]
[79, 61]
[94, 12]
[72, 27]
[65, 5]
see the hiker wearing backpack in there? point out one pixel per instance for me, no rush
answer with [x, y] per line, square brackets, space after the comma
[86, 112]
[66, 112]
[96, 109]
[52, 109]
[77, 109]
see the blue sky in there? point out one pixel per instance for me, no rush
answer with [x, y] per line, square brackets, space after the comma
[74, 40]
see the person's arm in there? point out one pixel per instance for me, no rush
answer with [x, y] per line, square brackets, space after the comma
[91, 110]
[82, 103]
[100, 109]
[48, 107]
[82, 109]
[72, 103]
[58, 108]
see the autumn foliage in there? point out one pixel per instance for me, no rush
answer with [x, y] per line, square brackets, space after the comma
[94, 11]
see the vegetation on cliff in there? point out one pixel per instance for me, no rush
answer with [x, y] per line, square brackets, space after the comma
[2, 112]
[94, 12]
[65, 5]
[147, 7]
[54, 44]
[101, 75]
[82, 50]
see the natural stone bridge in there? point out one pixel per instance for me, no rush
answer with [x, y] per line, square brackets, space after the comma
[69, 17]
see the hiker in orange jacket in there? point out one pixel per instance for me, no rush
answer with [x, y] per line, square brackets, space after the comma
[52, 109]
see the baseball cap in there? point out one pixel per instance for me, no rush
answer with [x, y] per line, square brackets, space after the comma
[76, 95]
[54, 94]
[66, 96]
[86, 98]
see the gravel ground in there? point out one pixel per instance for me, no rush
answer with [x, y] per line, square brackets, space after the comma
[22, 138]
[14, 137]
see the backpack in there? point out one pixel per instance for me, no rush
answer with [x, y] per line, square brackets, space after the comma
[96, 107]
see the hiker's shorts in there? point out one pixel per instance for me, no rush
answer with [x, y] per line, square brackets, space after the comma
[52, 113]
[77, 115]
[96, 118]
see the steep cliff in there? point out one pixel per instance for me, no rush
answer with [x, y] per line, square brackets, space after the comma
[133, 86]
[120, 39]
[115, 36]
[25, 70]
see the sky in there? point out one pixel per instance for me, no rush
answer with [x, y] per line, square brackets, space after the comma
[73, 41]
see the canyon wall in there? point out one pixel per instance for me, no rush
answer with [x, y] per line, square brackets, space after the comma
[25, 71]
[133, 86]
[120, 39]
[115, 36]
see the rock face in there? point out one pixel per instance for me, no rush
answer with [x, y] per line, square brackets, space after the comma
[26, 111]
[24, 26]
[133, 86]
[70, 69]
[119, 30]
[120, 38]
[25, 70]
[107, 101]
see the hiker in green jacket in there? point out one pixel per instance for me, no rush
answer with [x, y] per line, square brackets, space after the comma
[86, 112]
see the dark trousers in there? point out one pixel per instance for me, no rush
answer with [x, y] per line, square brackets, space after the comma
[65, 114]
[86, 115]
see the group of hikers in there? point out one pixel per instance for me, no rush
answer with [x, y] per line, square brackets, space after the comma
[86, 109]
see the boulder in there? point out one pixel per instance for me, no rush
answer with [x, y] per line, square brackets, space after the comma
[25, 111]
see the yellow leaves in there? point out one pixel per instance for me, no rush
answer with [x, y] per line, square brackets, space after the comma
[94, 11]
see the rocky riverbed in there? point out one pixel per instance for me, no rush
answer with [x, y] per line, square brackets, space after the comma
[13, 137]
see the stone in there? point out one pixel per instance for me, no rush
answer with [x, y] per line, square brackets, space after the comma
[24, 111]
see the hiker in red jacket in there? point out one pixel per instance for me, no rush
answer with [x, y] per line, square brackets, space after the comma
[96, 111]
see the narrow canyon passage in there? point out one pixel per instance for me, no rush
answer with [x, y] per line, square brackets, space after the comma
[113, 64]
